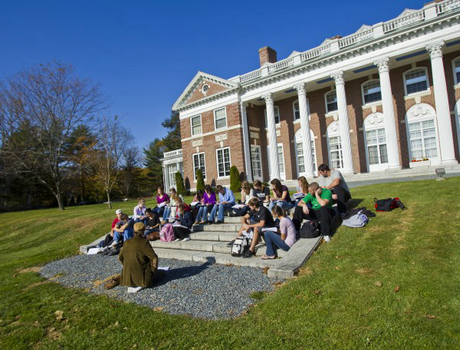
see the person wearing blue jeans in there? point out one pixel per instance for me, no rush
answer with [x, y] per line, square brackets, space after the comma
[281, 197]
[226, 201]
[284, 241]
[124, 229]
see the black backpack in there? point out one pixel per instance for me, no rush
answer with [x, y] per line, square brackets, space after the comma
[310, 229]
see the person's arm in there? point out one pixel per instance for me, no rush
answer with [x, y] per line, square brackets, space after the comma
[334, 183]
[283, 230]
[320, 200]
[150, 253]
[261, 223]
[120, 228]
[284, 195]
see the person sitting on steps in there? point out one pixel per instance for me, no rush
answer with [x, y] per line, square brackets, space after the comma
[247, 193]
[321, 209]
[262, 192]
[183, 223]
[257, 218]
[139, 211]
[152, 222]
[281, 196]
[226, 202]
[334, 181]
[209, 200]
[123, 230]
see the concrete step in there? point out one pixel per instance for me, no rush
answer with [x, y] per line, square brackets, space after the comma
[213, 236]
[232, 220]
[218, 228]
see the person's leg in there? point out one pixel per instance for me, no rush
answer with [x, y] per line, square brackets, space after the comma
[325, 217]
[166, 213]
[199, 214]
[342, 197]
[220, 213]
[161, 211]
[273, 240]
[298, 217]
[127, 234]
[180, 232]
[205, 213]
[212, 216]
[255, 239]
[271, 205]
[116, 236]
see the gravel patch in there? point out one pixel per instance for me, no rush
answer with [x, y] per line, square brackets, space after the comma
[190, 288]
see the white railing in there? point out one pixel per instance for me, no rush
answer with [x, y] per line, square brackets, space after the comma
[172, 154]
[289, 62]
[446, 6]
[404, 21]
[356, 38]
[322, 50]
[251, 75]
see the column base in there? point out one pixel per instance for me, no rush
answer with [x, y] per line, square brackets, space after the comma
[449, 162]
[393, 167]
[347, 171]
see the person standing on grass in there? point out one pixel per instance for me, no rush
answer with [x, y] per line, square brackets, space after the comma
[321, 209]
[284, 241]
[334, 181]
[140, 263]
[161, 198]
[226, 202]
[209, 200]
[257, 218]
[281, 196]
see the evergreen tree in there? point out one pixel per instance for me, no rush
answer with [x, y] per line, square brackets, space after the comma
[199, 180]
[172, 141]
[235, 182]
[180, 184]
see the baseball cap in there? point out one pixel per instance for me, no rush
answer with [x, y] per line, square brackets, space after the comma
[119, 211]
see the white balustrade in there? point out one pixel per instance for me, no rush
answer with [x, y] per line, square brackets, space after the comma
[289, 62]
[446, 6]
[322, 50]
[356, 38]
[404, 21]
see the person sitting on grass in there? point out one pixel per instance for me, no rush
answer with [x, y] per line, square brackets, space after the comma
[321, 209]
[333, 180]
[139, 211]
[209, 200]
[281, 196]
[262, 192]
[170, 210]
[247, 193]
[140, 263]
[161, 198]
[123, 230]
[284, 241]
[152, 222]
[257, 218]
[183, 223]
[226, 202]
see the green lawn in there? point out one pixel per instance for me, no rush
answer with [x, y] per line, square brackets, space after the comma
[393, 284]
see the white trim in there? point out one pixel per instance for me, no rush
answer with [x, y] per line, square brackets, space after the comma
[379, 124]
[297, 138]
[457, 121]
[217, 162]
[293, 111]
[277, 113]
[261, 166]
[330, 92]
[191, 126]
[239, 126]
[362, 93]
[193, 164]
[457, 59]
[214, 113]
[330, 133]
[418, 92]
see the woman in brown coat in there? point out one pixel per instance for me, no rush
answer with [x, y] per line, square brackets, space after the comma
[139, 261]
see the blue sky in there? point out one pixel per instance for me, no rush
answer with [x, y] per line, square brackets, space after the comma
[144, 53]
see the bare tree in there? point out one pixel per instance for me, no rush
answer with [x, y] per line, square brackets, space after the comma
[39, 110]
[113, 140]
[131, 162]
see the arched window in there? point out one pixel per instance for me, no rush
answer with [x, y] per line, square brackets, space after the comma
[331, 101]
[456, 67]
[376, 144]
[422, 133]
[371, 91]
[299, 152]
[416, 80]
[334, 145]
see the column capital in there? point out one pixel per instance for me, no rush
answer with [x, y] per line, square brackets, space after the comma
[338, 77]
[383, 64]
[300, 88]
[268, 97]
[435, 49]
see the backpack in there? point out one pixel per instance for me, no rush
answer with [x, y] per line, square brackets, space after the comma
[388, 204]
[309, 230]
[240, 246]
[167, 233]
[106, 242]
[357, 220]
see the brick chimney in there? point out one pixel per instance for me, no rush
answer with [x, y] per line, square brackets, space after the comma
[267, 54]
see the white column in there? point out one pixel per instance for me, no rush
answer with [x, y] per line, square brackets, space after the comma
[166, 175]
[273, 145]
[246, 146]
[305, 129]
[445, 135]
[343, 122]
[389, 115]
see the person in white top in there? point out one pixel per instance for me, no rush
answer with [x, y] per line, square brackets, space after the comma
[139, 211]
[247, 193]
[334, 181]
[284, 241]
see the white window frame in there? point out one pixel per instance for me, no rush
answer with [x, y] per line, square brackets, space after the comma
[294, 110]
[457, 81]
[204, 164]
[457, 120]
[172, 176]
[367, 126]
[298, 140]
[325, 101]
[215, 121]
[330, 134]
[191, 125]
[427, 81]
[363, 95]
[255, 176]
[277, 115]
[229, 160]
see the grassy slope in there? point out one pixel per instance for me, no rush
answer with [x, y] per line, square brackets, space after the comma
[335, 302]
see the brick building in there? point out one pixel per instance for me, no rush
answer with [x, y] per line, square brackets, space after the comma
[386, 97]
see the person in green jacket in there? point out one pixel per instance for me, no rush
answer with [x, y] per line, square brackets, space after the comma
[139, 261]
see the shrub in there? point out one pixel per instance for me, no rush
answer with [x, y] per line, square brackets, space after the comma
[199, 180]
[235, 182]
[180, 184]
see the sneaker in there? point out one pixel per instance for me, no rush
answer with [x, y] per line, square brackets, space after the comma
[196, 223]
[327, 238]
[177, 240]
[219, 222]
[114, 244]
[248, 254]
[186, 239]
[134, 289]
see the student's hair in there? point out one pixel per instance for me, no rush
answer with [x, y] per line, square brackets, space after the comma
[314, 185]
[208, 189]
[277, 211]
[181, 208]
[160, 189]
[254, 202]
[148, 210]
[124, 216]
[323, 167]
[177, 199]
[258, 183]
[218, 187]
[277, 185]
[172, 189]
[139, 200]
[246, 187]
[199, 193]
[303, 184]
